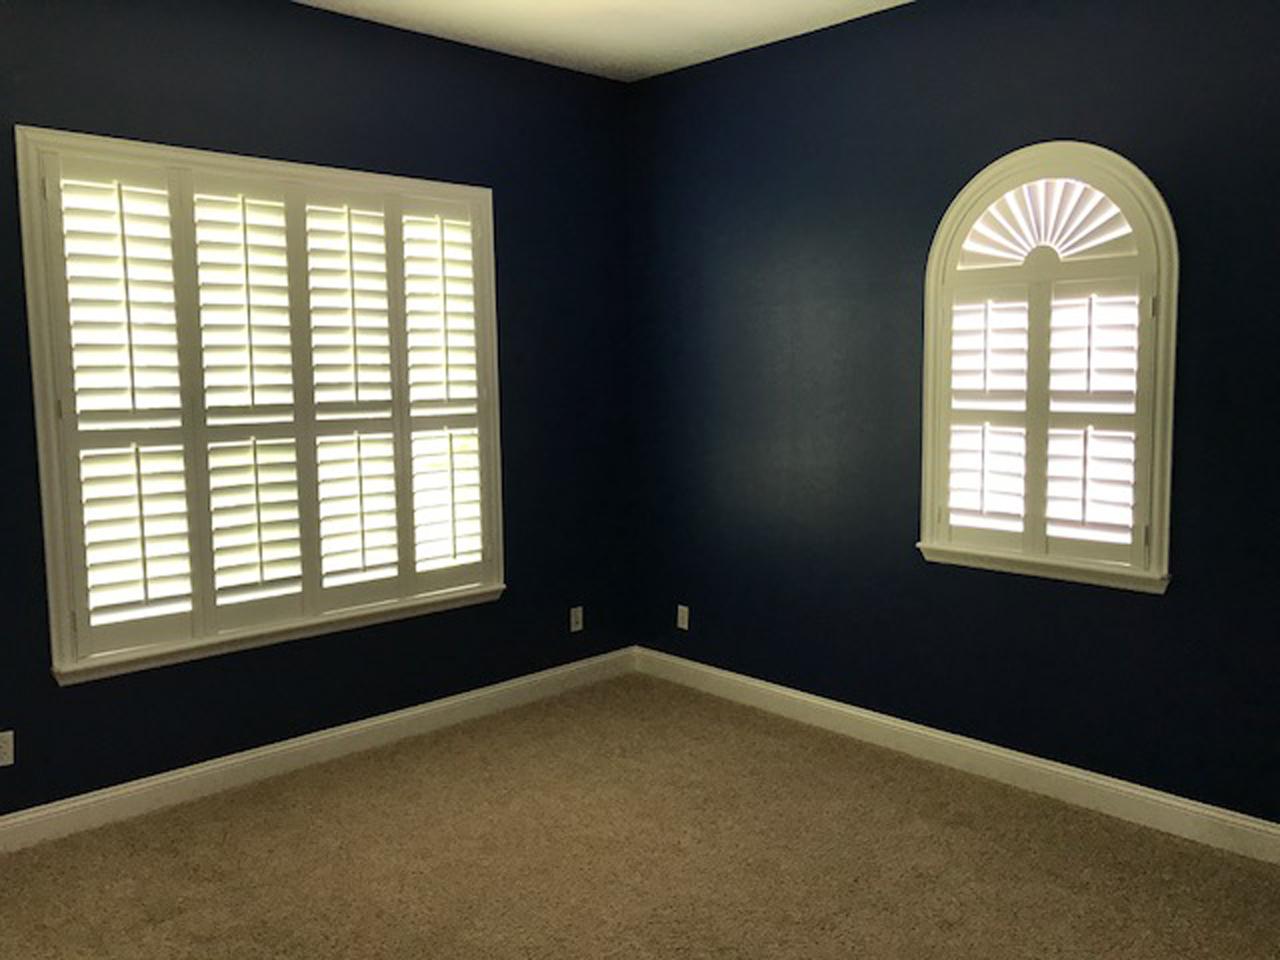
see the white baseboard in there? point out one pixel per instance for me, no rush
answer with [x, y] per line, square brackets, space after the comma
[1201, 822]
[63, 817]
[1214, 826]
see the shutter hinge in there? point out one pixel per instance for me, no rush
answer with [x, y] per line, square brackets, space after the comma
[57, 406]
[1146, 541]
[1155, 306]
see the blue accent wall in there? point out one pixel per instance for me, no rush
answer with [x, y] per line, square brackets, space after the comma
[275, 79]
[788, 197]
[710, 293]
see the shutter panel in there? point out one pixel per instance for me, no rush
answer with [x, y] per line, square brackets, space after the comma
[350, 332]
[446, 498]
[137, 556]
[989, 355]
[253, 493]
[357, 508]
[244, 309]
[1074, 219]
[1093, 354]
[119, 264]
[988, 477]
[439, 283]
[1091, 484]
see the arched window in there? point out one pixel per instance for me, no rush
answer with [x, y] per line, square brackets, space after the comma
[1050, 309]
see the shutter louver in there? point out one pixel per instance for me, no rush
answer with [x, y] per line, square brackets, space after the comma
[357, 508]
[988, 477]
[137, 555]
[244, 309]
[350, 332]
[1093, 354]
[1091, 484]
[253, 492]
[120, 290]
[446, 498]
[439, 283]
[989, 355]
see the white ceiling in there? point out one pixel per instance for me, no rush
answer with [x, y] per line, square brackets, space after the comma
[621, 39]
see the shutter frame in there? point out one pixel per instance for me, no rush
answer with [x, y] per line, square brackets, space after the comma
[1152, 261]
[81, 653]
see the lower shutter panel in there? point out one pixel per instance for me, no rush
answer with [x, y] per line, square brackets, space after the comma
[137, 554]
[987, 484]
[253, 492]
[1090, 492]
[446, 498]
[357, 508]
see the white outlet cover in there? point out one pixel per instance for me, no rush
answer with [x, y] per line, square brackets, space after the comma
[6, 748]
[575, 619]
[682, 617]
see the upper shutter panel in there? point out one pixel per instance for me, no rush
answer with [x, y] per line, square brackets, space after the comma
[1093, 350]
[350, 331]
[137, 554]
[253, 493]
[244, 309]
[357, 508]
[440, 314]
[120, 290]
[989, 355]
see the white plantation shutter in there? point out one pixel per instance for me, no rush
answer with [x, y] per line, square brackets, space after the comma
[988, 477]
[1049, 372]
[257, 541]
[350, 332]
[989, 355]
[1091, 484]
[266, 394]
[446, 498]
[241, 252]
[120, 292]
[440, 314]
[357, 508]
[135, 532]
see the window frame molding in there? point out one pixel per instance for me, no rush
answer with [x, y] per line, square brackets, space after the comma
[1130, 189]
[43, 261]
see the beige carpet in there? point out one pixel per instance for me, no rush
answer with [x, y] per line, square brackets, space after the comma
[632, 819]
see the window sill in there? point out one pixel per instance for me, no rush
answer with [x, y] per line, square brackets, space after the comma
[1099, 575]
[159, 655]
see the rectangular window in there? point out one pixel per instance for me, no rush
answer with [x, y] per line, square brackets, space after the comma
[266, 397]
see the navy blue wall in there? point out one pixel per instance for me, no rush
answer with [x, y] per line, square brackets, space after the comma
[279, 80]
[728, 391]
[788, 199]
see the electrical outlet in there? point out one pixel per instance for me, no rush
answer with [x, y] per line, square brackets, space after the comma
[575, 619]
[682, 617]
[6, 748]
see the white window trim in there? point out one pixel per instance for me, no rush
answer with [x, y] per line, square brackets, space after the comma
[1142, 204]
[42, 255]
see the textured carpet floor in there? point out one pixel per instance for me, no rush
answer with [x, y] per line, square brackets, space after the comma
[632, 819]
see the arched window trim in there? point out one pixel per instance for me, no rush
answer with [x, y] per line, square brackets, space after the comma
[1130, 189]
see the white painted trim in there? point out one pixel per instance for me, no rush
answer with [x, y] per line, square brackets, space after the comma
[1081, 571]
[1201, 822]
[63, 817]
[161, 655]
